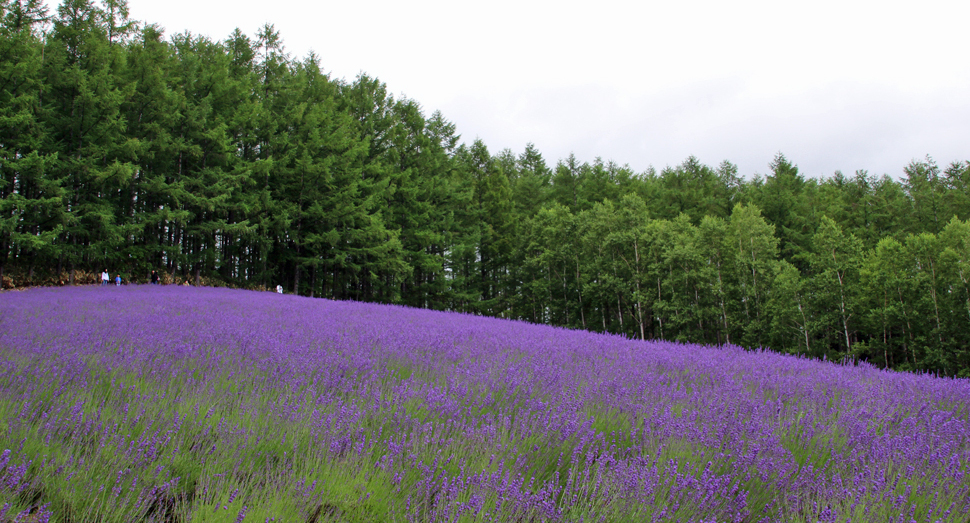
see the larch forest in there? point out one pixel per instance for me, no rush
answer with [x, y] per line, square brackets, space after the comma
[231, 163]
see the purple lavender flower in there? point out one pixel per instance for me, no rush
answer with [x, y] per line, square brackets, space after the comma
[456, 415]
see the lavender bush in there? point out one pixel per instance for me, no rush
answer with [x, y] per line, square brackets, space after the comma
[184, 404]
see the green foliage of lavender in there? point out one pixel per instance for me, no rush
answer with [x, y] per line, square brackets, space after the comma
[193, 404]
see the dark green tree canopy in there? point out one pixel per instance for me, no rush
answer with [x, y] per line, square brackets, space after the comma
[231, 162]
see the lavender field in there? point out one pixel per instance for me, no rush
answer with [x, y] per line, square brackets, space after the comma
[193, 404]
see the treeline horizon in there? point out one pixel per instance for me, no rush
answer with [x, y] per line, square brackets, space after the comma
[231, 162]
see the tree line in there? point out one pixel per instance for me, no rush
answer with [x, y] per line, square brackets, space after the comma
[232, 163]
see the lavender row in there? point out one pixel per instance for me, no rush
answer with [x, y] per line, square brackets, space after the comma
[166, 403]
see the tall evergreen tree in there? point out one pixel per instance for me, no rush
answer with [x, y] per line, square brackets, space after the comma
[925, 185]
[151, 117]
[784, 199]
[30, 201]
[87, 127]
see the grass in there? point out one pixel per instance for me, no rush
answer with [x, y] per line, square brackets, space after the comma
[358, 421]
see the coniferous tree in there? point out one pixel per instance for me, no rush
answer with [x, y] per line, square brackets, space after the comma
[87, 131]
[231, 162]
[30, 201]
[785, 200]
[151, 115]
[530, 188]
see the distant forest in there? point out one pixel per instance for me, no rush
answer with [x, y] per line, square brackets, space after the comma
[231, 163]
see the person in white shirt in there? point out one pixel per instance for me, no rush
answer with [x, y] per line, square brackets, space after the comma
[104, 278]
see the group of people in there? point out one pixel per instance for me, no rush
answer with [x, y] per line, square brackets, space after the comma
[106, 278]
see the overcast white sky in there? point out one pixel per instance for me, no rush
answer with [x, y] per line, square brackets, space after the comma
[832, 84]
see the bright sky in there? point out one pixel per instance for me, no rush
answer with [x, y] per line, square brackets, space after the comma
[833, 85]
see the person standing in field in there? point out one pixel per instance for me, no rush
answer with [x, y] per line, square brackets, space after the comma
[118, 280]
[104, 278]
[154, 278]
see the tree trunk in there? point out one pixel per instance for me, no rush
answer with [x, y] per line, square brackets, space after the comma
[804, 325]
[843, 310]
[909, 328]
[885, 342]
[313, 280]
[636, 252]
[619, 311]
[565, 295]
[263, 256]
[4, 256]
[720, 283]
[579, 288]
[936, 307]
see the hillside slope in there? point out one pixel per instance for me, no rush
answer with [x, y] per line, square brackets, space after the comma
[199, 404]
